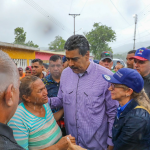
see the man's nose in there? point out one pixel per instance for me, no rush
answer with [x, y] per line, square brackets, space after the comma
[70, 63]
[135, 65]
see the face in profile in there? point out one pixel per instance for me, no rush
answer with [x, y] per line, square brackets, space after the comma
[129, 60]
[39, 93]
[143, 67]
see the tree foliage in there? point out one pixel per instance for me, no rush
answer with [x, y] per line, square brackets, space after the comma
[57, 44]
[148, 47]
[31, 44]
[98, 39]
[20, 38]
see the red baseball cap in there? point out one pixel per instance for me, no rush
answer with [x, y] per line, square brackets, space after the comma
[142, 54]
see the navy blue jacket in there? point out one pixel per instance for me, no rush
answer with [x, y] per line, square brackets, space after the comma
[132, 130]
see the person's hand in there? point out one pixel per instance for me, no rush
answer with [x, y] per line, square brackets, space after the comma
[72, 139]
[63, 143]
[73, 147]
[110, 147]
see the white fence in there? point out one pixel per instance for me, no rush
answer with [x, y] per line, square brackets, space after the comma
[21, 63]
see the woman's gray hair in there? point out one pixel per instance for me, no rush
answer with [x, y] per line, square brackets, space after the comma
[8, 72]
[26, 86]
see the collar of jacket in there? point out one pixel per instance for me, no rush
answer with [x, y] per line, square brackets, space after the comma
[147, 77]
[129, 107]
[7, 132]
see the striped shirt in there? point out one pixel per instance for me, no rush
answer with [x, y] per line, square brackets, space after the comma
[32, 132]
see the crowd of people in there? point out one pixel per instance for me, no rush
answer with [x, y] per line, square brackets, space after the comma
[76, 103]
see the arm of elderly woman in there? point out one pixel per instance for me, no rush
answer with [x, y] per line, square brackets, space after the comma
[58, 114]
[62, 144]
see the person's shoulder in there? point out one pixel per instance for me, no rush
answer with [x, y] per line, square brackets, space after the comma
[140, 113]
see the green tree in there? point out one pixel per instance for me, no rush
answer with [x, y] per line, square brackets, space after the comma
[98, 39]
[31, 44]
[148, 47]
[20, 38]
[57, 44]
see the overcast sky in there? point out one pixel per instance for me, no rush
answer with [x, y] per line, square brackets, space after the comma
[45, 19]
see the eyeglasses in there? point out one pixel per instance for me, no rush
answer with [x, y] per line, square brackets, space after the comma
[116, 86]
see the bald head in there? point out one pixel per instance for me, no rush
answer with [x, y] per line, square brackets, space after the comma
[8, 72]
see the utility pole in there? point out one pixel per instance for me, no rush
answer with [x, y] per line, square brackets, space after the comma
[74, 15]
[135, 16]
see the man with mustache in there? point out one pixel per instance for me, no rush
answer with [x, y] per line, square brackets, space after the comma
[89, 111]
[142, 65]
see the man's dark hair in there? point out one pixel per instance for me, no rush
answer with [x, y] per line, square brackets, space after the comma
[55, 58]
[77, 42]
[38, 60]
[132, 51]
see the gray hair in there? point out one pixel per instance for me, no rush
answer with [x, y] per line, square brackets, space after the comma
[8, 72]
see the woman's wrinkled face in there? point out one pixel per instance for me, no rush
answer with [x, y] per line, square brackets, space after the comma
[117, 91]
[39, 93]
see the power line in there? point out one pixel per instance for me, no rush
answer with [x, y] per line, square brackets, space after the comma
[83, 6]
[70, 6]
[46, 14]
[119, 12]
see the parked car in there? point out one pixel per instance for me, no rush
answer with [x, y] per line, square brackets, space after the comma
[115, 62]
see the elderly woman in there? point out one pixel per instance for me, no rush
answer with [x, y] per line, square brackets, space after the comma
[131, 129]
[33, 124]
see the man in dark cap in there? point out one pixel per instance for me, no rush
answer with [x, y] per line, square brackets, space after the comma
[106, 59]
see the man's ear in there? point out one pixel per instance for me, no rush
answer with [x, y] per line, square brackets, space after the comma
[42, 67]
[87, 55]
[8, 97]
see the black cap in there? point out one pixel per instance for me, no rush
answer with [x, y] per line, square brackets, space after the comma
[106, 54]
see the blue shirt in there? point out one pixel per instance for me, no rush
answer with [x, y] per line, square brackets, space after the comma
[121, 109]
